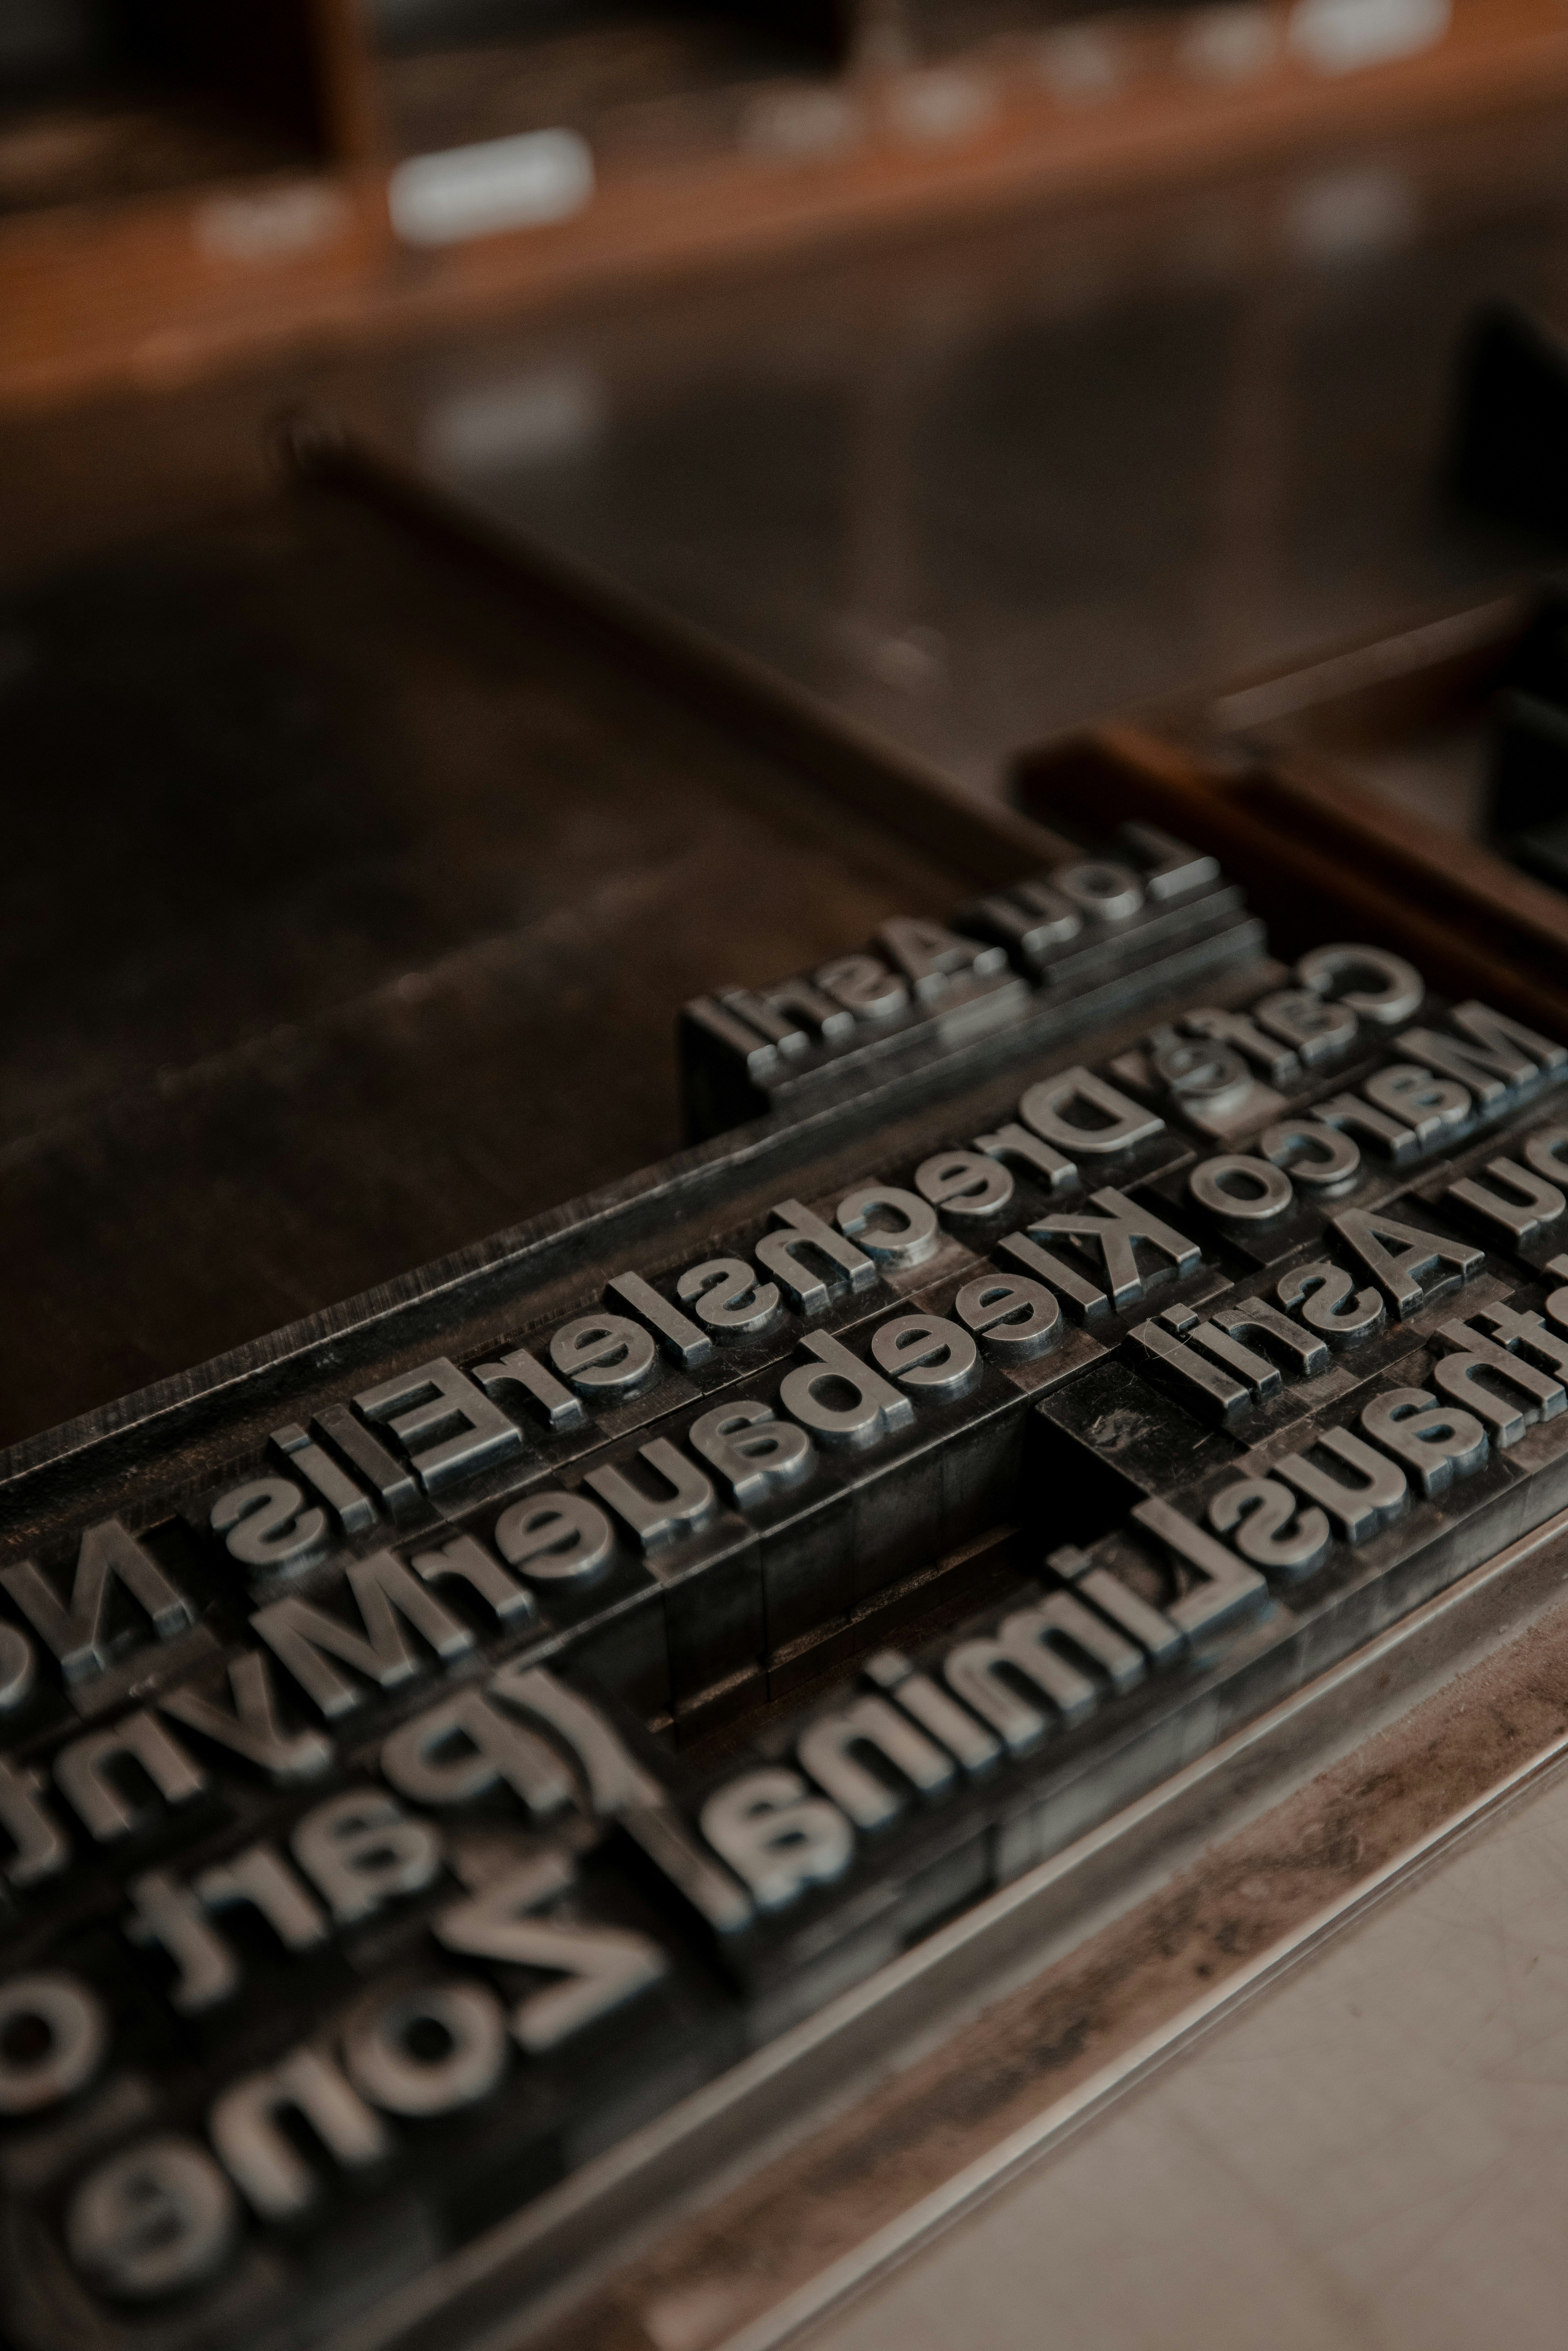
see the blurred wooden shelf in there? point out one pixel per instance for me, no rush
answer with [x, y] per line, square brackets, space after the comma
[603, 80]
[151, 239]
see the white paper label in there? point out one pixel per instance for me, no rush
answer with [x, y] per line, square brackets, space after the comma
[501, 184]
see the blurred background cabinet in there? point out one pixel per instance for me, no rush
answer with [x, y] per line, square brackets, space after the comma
[182, 184]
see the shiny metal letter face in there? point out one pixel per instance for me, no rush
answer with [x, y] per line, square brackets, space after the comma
[1043, 960]
[423, 1759]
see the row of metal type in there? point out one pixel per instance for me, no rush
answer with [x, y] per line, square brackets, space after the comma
[973, 1749]
[1032, 963]
[352, 1899]
[698, 1545]
[608, 1472]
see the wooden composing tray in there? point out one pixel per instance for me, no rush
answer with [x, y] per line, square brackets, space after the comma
[390, 864]
[602, 1788]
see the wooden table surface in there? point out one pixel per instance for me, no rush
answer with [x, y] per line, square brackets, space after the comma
[268, 840]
